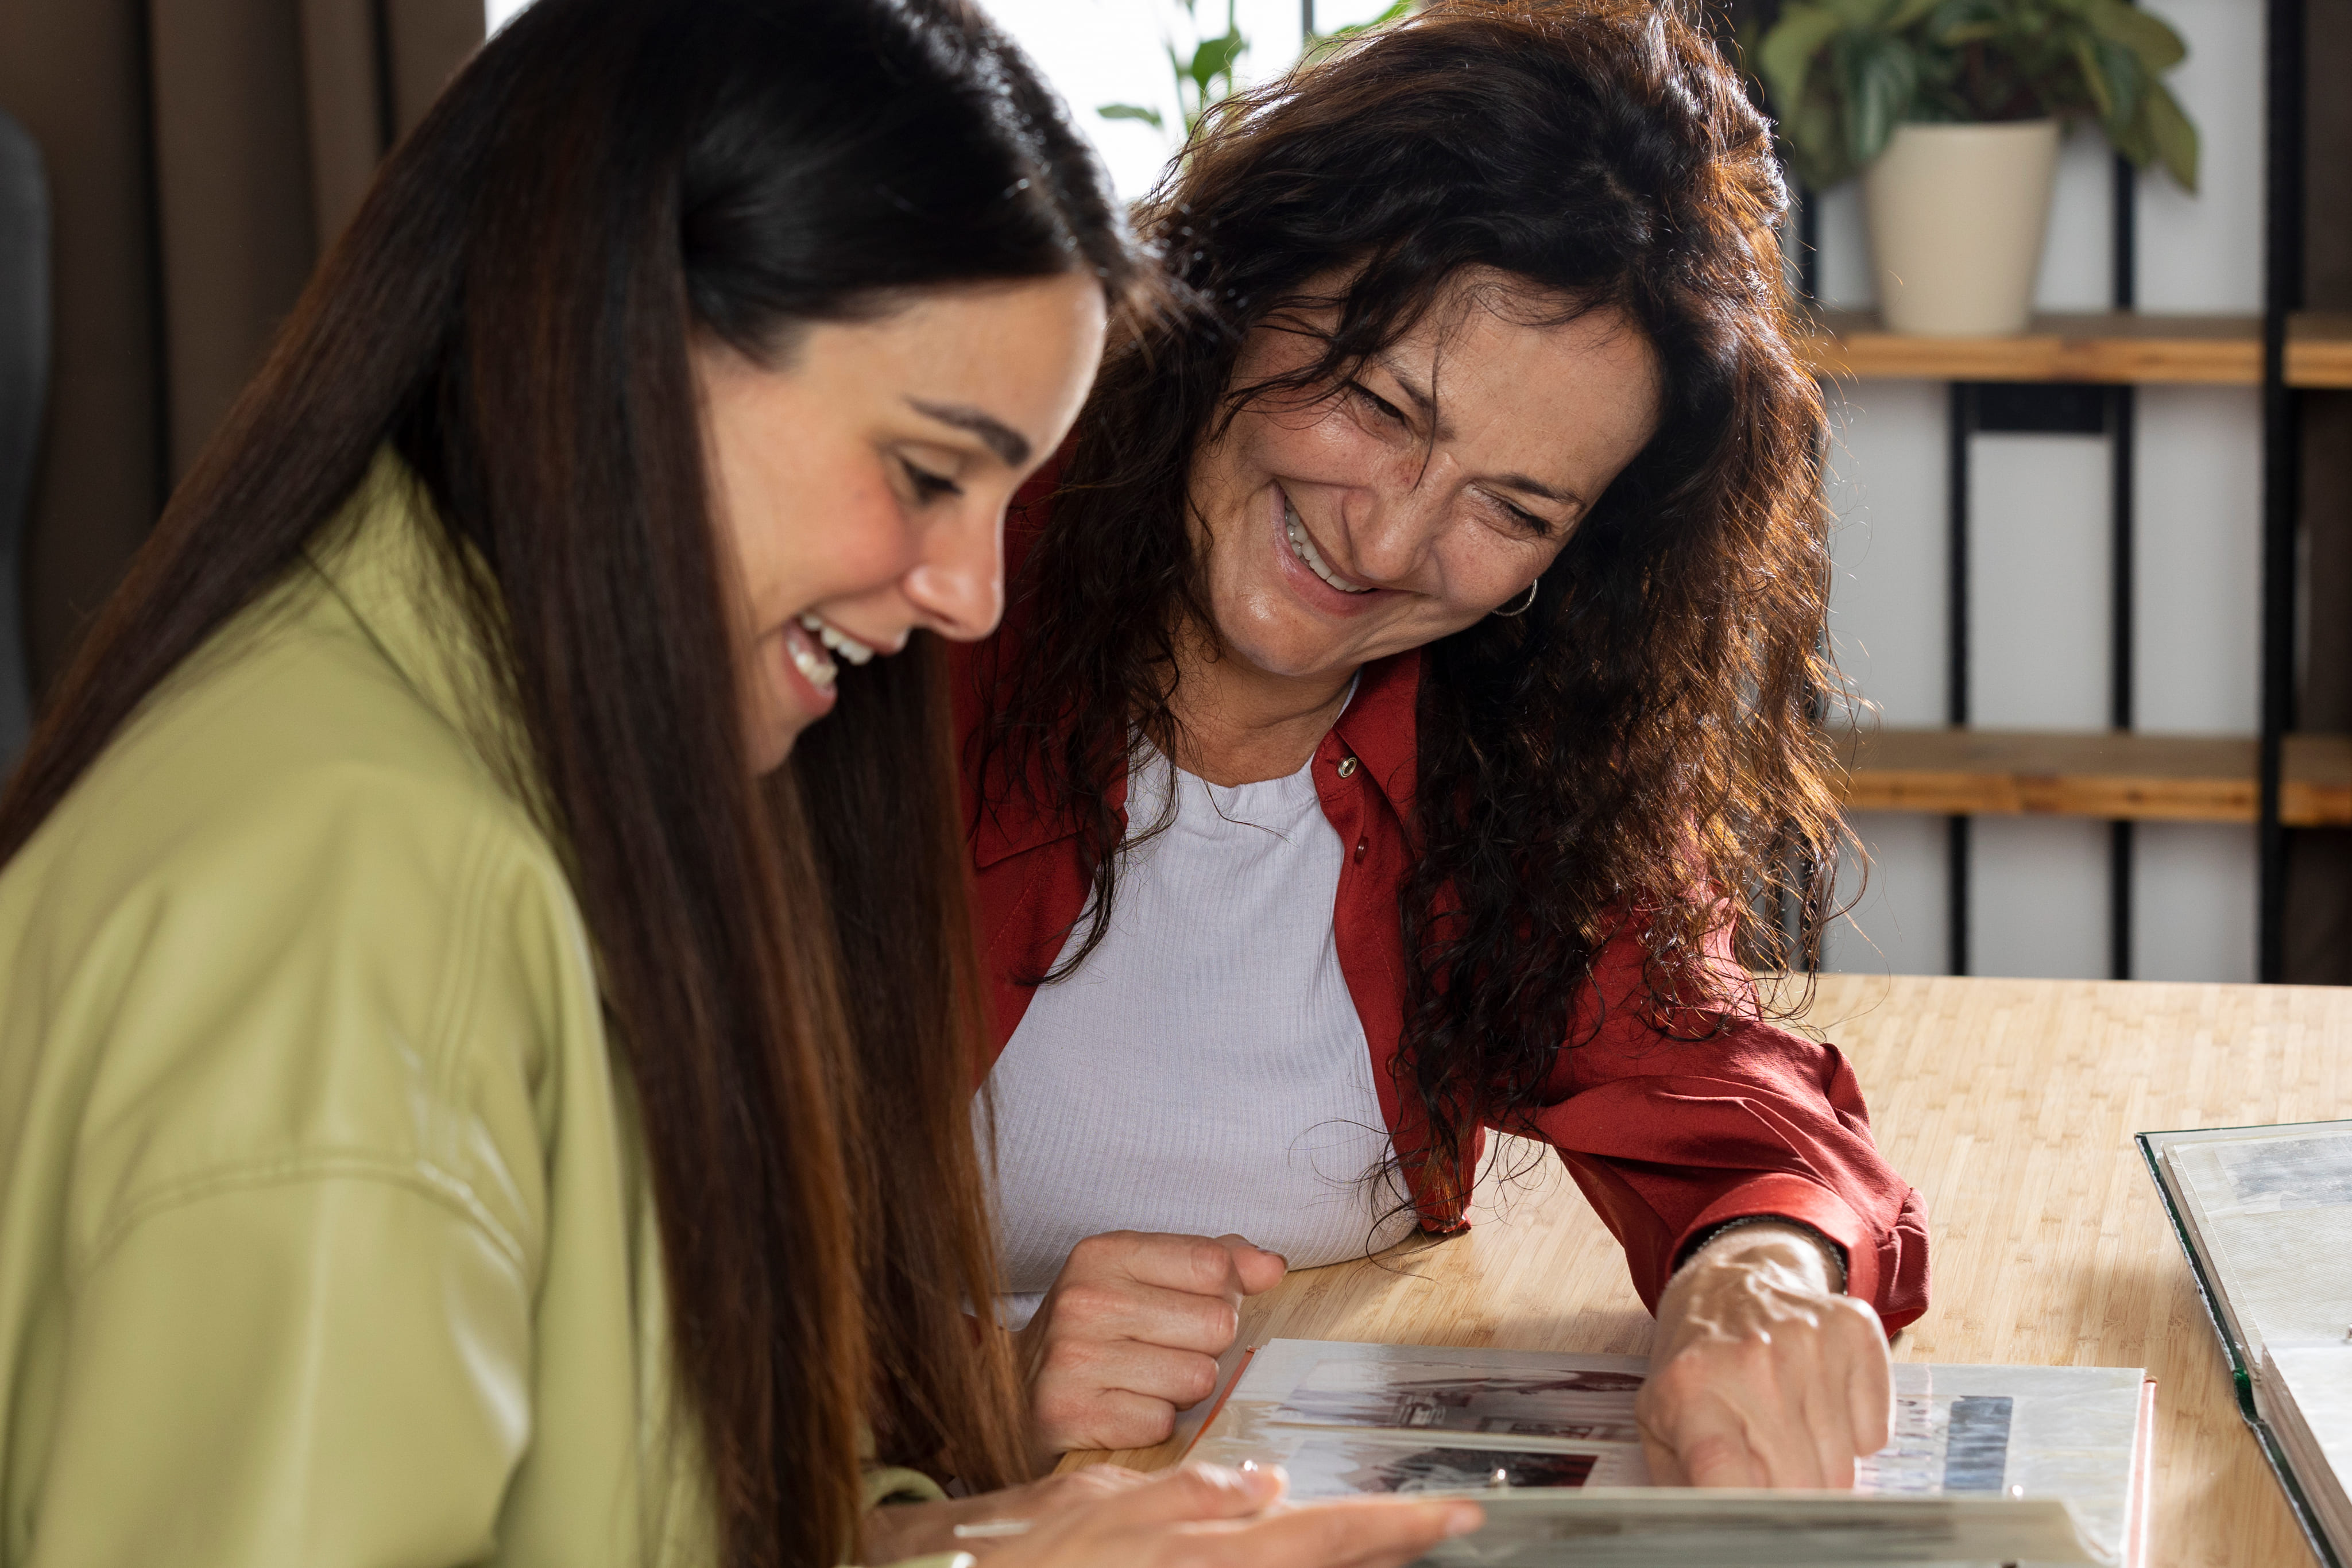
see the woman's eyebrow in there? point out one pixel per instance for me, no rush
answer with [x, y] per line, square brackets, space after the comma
[1009, 445]
[1422, 400]
[1535, 487]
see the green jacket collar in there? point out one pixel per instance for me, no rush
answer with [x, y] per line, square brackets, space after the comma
[388, 559]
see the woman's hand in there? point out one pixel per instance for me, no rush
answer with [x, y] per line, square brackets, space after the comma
[901, 1530]
[1130, 1333]
[1205, 1516]
[1763, 1376]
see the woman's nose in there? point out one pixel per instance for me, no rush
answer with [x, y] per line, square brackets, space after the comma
[1390, 529]
[958, 585]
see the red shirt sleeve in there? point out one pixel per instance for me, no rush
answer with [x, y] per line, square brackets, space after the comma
[1672, 1130]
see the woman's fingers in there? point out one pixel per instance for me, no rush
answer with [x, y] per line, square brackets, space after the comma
[1200, 1265]
[1206, 1516]
[1073, 1488]
[1257, 1269]
[1825, 1418]
[1665, 1464]
[1126, 1309]
[1715, 1453]
[1870, 1382]
[1195, 1492]
[1358, 1532]
[1130, 1333]
[1085, 1416]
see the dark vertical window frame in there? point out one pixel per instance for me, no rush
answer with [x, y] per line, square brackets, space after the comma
[2282, 280]
[1961, 429]
[2122, 438]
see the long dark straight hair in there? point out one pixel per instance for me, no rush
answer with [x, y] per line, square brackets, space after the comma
[513, 310]
[1640, 748]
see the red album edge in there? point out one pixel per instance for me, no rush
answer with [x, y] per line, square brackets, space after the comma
[1214, 1410]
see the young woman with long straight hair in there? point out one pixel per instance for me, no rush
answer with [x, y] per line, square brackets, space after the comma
[1407, 684]
[462, 1098]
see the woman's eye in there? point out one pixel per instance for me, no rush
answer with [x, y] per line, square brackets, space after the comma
[928, 486]
[1522, 516]
[1380, 404]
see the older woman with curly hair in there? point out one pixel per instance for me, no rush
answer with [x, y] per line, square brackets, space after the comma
[1406, 688]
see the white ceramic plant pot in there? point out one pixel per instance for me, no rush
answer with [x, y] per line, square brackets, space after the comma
[1957, 214]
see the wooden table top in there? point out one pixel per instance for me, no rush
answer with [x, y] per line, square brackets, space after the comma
[2011, 1105]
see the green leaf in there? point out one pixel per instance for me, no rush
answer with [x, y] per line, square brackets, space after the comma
[1955, 22]
[1909, 13]
[2160, 48]
[2174, 137]
[2133, 141]
[1816, 147]
[1216, 59]
[1151, 117]
[2126, 81]
[1881, 75]
[2086, 56]
[1785, 58]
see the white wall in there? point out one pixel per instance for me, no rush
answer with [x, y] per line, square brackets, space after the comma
[1097, 52]
[2039, 589]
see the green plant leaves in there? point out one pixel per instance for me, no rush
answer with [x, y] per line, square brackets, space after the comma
[1785, 55]
[1881, 72]
[2156, 46]
[1216, 57]
[1151, 117]
[2173, 137]
[1842, 74]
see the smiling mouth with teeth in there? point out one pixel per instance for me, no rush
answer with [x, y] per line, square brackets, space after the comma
[1304, 548]
[812, 661]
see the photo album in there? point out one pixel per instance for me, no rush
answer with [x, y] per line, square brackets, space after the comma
[1989, 1464]
[2265, 1215]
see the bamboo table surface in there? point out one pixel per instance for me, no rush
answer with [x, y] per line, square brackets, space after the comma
[2010, 1106]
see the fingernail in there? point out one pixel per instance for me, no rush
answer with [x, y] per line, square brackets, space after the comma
[1249, 1467]
[1462, 1520]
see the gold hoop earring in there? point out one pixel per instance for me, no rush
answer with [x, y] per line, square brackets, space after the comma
[1526, 605]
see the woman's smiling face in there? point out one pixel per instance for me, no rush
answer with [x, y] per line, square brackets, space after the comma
[859, 483]
[1426, 491]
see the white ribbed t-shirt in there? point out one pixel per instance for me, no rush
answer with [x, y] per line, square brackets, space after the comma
[1205, 1071]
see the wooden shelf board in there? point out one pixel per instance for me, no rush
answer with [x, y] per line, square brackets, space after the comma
[2114, 776]
[2319, 349]
[2114, 346]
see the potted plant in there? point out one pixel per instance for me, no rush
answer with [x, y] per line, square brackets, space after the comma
[1951, 111]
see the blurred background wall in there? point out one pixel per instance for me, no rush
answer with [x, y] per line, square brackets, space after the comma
[200, 154]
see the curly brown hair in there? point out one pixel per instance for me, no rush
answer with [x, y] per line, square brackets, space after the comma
[1641, 751]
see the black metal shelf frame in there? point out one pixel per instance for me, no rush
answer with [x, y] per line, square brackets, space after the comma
[2283, 204]
[2054, 408]
[2112, 410]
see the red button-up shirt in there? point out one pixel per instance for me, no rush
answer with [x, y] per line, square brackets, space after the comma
[1668, 1135]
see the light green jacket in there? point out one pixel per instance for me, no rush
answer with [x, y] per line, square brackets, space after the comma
[325, 1233]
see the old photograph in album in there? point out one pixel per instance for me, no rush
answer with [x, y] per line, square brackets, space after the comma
[1988, 1463]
